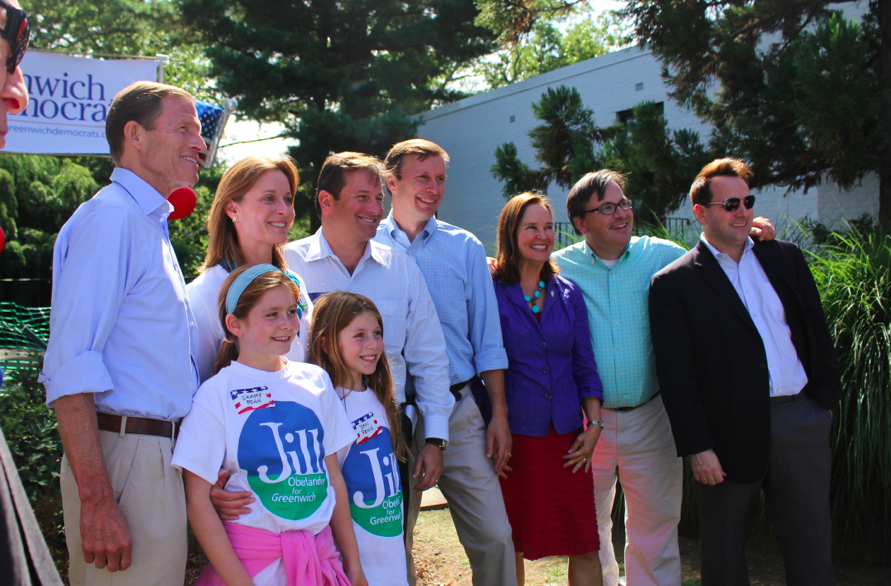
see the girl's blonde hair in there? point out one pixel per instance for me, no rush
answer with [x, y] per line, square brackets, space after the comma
[246, 301]
[331, 314]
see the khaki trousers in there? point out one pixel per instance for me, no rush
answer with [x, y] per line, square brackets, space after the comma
[637, 447]
[151, 495]
[469, 484]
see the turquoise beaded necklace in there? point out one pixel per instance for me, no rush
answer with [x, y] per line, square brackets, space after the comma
[535, 297]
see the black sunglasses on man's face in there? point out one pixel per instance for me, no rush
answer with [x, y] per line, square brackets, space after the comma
[731, 204]
[16, 30]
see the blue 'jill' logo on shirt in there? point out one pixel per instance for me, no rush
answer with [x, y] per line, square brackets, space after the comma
[282, 450]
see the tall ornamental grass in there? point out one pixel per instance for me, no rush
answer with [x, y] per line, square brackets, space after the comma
[853, 274]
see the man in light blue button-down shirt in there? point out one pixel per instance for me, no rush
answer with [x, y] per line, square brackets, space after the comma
[453, 262]
[613, 269]
[118, 369]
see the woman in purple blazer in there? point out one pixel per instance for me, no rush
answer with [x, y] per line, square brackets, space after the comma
[550, 383]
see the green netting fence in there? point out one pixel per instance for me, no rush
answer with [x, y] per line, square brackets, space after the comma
[23, 330]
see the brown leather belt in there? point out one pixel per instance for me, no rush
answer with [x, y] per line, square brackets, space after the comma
[139, 425]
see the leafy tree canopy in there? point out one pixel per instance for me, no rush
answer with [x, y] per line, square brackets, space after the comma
[547, 48]
[792, 87]
[563, 143]
[124, 28]
[339, 75]
[659, 162]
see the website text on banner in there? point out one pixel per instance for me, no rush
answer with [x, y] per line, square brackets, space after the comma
[69, 98]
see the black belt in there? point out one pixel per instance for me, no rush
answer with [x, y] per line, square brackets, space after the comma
[636, 406]
[456, 389]
[138, 425]
[786, 398]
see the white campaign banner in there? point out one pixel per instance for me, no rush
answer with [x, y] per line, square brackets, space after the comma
[69, 98]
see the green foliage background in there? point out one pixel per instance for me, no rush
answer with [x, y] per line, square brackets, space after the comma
[33, 438]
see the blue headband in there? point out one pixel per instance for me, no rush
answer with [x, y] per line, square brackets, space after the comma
[248, 276]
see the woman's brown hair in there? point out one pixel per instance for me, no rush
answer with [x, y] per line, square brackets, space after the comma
[331, 314]
[506, 255]
[222, 244]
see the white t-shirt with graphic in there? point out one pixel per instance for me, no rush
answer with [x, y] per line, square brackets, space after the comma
[371, 473]
[271, 431]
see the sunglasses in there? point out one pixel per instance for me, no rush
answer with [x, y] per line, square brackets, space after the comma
[16, 30]
[731, 204]
[609, 208]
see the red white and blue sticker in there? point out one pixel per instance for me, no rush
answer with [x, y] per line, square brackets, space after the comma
[245, 400]
[366, 428]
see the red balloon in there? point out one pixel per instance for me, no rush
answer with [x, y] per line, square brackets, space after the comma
[183, 201]
[2, 239]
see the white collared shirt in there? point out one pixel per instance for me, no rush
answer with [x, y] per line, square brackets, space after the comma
[412, 333]
[787, 376]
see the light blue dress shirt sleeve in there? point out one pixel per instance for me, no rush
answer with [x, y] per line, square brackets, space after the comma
[485, 326]
[86, 298]
[120, 325]
[453, 263]
[425, 356]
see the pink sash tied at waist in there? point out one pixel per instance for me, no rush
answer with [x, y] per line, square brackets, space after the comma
[309, 560]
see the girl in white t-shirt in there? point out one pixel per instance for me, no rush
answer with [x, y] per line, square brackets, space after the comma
[346, 339]
[276, 427]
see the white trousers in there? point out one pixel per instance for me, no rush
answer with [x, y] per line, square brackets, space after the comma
[150, 493]
[637, 447]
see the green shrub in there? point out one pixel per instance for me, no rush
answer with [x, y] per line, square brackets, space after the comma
[853, 274]
[33, 438]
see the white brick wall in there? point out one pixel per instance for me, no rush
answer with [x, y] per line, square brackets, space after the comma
[471, 129]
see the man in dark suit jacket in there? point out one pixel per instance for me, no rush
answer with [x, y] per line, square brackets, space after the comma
[750, 381]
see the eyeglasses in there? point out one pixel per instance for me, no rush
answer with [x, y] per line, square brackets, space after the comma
[731, 204]
[609, 209]
[16, 30]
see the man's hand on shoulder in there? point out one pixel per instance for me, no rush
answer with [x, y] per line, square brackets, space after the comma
[762, 230]
[707, 468]
[229, 505]
[430, 462]
[105, 534]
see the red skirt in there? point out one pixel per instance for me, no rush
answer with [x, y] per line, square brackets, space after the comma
[550, 509]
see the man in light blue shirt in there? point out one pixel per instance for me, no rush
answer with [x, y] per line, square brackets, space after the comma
[453, 263]
[118, 369]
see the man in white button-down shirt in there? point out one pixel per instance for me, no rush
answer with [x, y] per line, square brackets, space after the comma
[749, 377]
[341, 256]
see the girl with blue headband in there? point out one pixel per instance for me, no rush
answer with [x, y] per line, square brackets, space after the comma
[276, 427]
